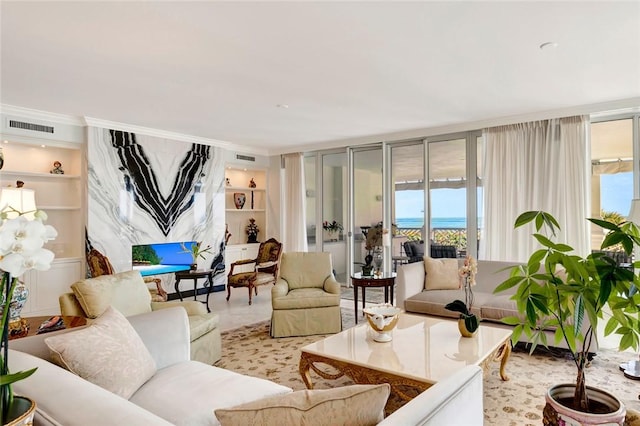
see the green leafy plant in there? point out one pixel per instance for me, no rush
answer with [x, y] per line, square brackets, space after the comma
[195, 251]
[559, 290]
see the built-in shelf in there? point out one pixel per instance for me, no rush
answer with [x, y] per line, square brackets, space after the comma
[37, 174]
[59, 208]
[243, 188]
[237, 220]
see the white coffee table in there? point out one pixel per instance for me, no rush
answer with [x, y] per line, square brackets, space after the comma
[424, 350]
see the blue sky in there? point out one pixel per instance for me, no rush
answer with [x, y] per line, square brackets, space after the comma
[616, 194]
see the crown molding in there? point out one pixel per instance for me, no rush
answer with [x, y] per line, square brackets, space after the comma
[35, 114]
[165, 134]
[596, 110]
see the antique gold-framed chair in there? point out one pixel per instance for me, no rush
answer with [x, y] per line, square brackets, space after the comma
[265, 269]
[99, 264]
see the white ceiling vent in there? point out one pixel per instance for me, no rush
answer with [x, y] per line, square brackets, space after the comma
[31, 126]
[245, 157]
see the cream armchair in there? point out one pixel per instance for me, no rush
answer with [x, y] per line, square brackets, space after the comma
[128, 293]
[306, 296]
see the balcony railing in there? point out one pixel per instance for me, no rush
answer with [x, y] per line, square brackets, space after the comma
[444, 236]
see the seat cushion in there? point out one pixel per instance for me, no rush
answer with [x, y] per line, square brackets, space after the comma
[432, 302]
[108, 353]
[302, 298]
[199, 325]
[356, 405]
[263, 278]
[196, 390]
[125, 291]
[241, 279]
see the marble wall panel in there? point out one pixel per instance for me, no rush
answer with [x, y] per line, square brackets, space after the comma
[143, 190]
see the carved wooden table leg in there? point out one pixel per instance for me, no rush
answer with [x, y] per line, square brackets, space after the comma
[503, 356]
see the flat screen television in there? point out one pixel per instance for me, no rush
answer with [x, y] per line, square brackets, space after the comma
[161, 258]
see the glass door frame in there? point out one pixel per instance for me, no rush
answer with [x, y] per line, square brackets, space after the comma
[471, 170]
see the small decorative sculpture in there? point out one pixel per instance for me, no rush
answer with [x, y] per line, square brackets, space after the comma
[19, 184]
[227, 182]
[227, 234]
[252, 183]
[382, 318]
[239, 198]
[252, 231]
[57, 168]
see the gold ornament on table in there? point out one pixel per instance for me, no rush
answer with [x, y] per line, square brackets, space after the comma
[468, 323]
[196, 252]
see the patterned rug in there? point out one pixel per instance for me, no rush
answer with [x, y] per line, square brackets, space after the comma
[249, 350]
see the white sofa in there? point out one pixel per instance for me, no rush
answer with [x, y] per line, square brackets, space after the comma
[412, 296]
[185, 392]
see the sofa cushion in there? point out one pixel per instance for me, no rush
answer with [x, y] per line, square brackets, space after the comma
[498, 307]
[432, 302]
[306, 298]
[196, 390]
[125, 291]
[108, 353]
[62, 398]
[356, 405]
[441, 274]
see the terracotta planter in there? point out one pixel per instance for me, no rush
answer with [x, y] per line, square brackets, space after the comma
[463, 329]
[555, 413]
[21, 412]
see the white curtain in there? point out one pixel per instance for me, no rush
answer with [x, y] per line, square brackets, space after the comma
[542, 165]
[295, 230]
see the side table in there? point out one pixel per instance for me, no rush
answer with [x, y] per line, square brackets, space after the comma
[359, 281]
[195, 275]
[33, 323]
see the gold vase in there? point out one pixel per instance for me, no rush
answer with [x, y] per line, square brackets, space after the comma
[21, 412]
[463, 329]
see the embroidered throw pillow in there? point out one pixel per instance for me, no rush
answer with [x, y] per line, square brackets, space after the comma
[355, 405]
[108, 353]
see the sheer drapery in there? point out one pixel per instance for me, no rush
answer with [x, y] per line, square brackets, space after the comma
[542, 165]
[295, 231]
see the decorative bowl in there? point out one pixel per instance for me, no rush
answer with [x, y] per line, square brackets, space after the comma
[382, 319]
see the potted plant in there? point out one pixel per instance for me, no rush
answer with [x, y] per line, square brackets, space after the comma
[195, 251]
[559, 290]
[333, 228]
[21, 249]
[468, 323]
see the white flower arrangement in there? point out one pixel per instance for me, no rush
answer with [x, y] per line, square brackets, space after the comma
[21, 249]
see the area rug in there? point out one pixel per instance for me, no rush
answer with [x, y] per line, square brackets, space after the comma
[249, 350]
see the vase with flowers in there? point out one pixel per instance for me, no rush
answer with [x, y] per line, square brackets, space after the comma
[196, 251]
[21, 249]
[468, 322]
[333, 228]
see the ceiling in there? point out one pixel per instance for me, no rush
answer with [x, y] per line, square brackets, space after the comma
[345, 70]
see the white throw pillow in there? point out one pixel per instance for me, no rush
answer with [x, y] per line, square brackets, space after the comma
[108, 353]
[355, 405]
[442, 274]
